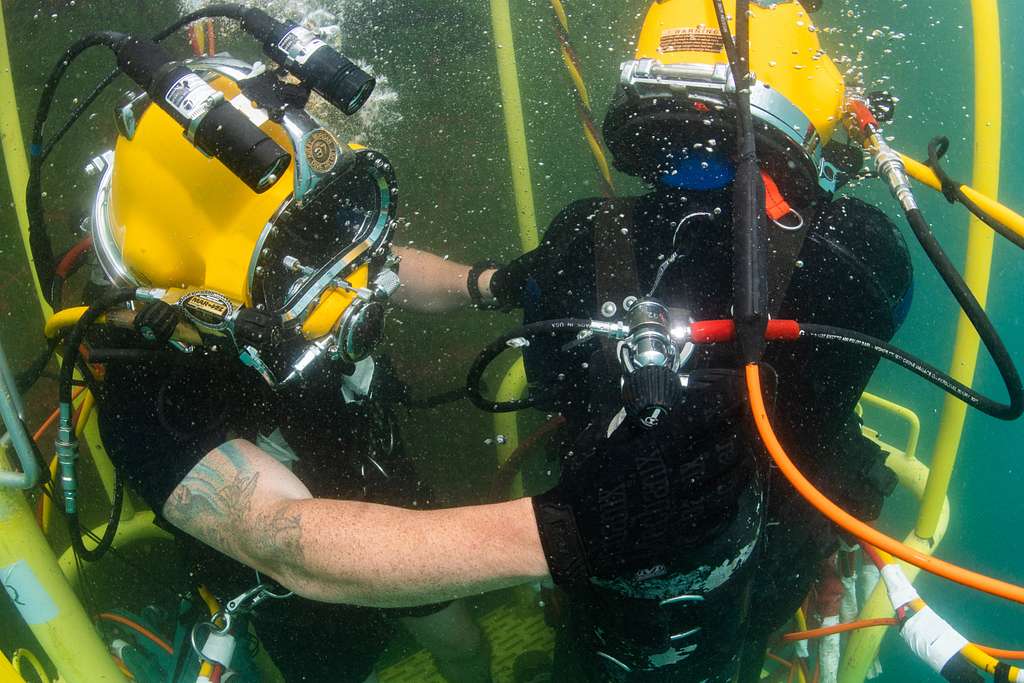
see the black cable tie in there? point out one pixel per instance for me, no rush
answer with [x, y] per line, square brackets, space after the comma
[937, 148]
[1002, 673]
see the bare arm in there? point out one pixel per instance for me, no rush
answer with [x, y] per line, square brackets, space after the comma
[432, 284]
[243, 502]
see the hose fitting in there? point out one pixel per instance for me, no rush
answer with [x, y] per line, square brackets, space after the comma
[67, 454]
[890, 168]
[862, 125]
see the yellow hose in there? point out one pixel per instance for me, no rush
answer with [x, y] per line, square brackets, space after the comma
[1008, 217]
[62, 320]
[974, 654]
[987, 142]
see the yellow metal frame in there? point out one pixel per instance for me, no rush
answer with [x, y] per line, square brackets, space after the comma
[514, 382]
[862, 647]
[988, 117]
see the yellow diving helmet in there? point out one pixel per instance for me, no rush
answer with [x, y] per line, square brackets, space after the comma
[677, 94]
[295, 274]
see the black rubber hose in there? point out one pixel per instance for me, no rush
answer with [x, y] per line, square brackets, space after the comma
[225, 11]
[499, 345]
[434, 401]
[912, 363]
[974, 312]
[750, 263]
[39, 238]
[103, 303]
[937, 148]
[113, 521]
[27, 378]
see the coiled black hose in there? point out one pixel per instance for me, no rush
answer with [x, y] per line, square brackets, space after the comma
[102, 304]
[39, 238]
[975, 314]
[501, 344]
[912, 363]
[225, 11]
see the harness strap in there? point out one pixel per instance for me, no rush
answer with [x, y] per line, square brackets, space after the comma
[615, 263]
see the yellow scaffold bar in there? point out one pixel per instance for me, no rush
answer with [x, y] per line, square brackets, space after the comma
[514, 382]
[14, 154]
[988, 117]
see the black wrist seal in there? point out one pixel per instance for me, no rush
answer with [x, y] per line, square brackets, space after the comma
[473, 286]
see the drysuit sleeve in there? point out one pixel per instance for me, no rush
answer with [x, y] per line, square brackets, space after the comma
[520, 280]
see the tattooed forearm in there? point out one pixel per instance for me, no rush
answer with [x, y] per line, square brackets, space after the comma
[227, 501]
[246, 504]
[284, 535]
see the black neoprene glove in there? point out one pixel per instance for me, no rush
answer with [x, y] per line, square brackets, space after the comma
[508, 284]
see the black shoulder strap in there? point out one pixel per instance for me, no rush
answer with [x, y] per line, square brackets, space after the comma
[614, 261]
[784, 244]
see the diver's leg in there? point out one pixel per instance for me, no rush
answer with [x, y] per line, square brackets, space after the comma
[460, 649]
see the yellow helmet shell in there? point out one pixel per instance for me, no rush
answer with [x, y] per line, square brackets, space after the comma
[679, 91]
[785, 53]
[167, 216]
[182, 219]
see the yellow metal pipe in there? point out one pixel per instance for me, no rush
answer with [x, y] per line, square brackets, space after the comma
[862, 647]
[14, 154]
[515, 127]
[514, 382]
[44, 598]
[512, 386]
[987, 142]
[138, 528]
[904, 413]
[1005, 215]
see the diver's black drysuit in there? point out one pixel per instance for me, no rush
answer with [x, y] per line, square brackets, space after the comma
[680, 549]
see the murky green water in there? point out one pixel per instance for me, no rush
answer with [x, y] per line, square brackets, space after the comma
[439, 119]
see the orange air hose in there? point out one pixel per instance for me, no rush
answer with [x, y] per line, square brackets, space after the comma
[851, 524]
[138, 628]
[838, 628]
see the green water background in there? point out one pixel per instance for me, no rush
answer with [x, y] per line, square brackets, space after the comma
[450, 153]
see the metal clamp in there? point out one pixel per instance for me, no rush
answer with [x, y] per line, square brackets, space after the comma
[238, 607]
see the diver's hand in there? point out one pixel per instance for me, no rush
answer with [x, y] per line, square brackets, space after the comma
[507, 284]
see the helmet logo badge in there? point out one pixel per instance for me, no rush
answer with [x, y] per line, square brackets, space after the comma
[321, 151]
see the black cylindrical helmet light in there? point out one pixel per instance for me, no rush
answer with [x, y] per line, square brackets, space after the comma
[211, 123]
[312, 61]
